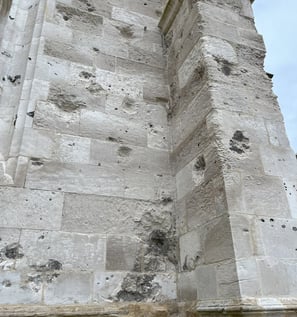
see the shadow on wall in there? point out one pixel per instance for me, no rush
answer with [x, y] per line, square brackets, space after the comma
[4, 7]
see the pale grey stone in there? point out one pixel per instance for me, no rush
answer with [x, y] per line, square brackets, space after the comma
[35, 209]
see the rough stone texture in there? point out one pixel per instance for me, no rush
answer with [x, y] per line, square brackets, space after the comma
[141, 167]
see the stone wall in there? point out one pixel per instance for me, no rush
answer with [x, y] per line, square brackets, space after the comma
[88, 216]
[235, 171]
[141, 168]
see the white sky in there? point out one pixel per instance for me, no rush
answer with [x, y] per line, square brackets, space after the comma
[276, 20]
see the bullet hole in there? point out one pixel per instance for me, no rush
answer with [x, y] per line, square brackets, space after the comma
[86, 75]
[239, 142]
[245, 230]
[151, 125]
[16, 80]
[294, 228]
[226, 70]
[3, 78]
[271, 220]
[31, 114]
[37, 163]
[41, 237]
[200, 163]
[107, 278]
[126, 31]
[99, 164]
[29, 58]
[51, 265]
[96, 49]
[269, 75]
[124, 151]
[6, 283]
[145, 4]
[145, 28]
[59, 188]
[13, 251]
[11, 18]
[283, 226]
[50, 199]
[112, 139]
[5, 53]
[166, 200]
[65, 18]
[262, 220]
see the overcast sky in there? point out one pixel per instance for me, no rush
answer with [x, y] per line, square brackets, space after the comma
[276, 20]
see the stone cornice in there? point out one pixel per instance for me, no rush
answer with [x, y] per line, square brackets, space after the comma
[169, 14]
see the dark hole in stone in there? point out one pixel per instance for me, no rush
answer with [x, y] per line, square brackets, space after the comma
[158, 242]
[263, 220]
[294, 228]
[14, 80]
[6, 283]
[283, 226]
[31, 114]
[200, 163]
[13, 251]
[226, 70]
[238, 136]
[271, 219]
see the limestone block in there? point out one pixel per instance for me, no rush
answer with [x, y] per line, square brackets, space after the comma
[190, 250]
[273, 277]
[278, 236]
[206, 282]
[78, 19]
[277, 134]
[69, 52]
[106, 215]
[245, 241]
[158, 136]
[107, 285]
[181, 217]
[264, 195]
[93, 7]
[76, 178]
[123, 253]
[148, 58]
[98, 125]
[187, 286]
[24, 208]
[105, 62]
[70, 251]
[52, 31]
[227, 280]
[130, 157]
[14, 290]
[49, 116]
[120, 84]
[133, 18]
[217, 241]
[248, 277]
[284, 163]
[200, 205]
[69, 288]
[133, 287]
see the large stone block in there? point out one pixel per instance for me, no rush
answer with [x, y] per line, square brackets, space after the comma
[35, 209]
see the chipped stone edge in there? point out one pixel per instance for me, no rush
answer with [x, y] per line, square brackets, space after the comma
[171, 10]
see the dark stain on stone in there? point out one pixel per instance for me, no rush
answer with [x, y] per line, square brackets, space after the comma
[124, 151]
[6, 283]
[86, 75]
[126, 31]
[36, 162]
[51, 265]
[15, 120]
[238, 136]
[226, 70]
[294, 228]
[64, 100]
[31, 114]
[239, 143]
[16, 80]
[95, 49]
[95, 89]
[13, 251]
[200, 163]
[166, 200]
[158, 242]
[5, 53]
[137, 288]
[112, 139]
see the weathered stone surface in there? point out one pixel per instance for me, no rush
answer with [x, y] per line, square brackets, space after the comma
[141, 167]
